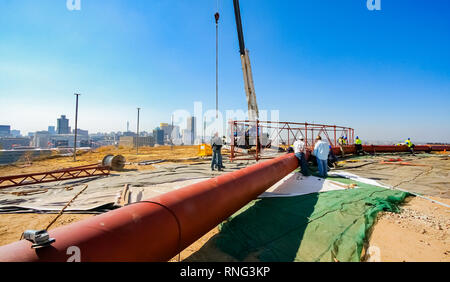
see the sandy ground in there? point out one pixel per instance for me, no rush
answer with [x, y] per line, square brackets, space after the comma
[171, 154]
[13, 225]
[419, 233]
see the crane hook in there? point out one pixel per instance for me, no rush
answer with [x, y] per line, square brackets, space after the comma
[217, 16]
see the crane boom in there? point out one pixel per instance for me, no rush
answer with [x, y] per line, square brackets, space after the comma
[253, 112]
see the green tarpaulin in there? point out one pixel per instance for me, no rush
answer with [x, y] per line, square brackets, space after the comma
[324, 227]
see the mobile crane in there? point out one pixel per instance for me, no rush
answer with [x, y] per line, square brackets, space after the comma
[248, 135]
[253, 112]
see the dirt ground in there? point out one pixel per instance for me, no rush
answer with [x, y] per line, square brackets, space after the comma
[419, 233]
[13, 225]
[168, 153]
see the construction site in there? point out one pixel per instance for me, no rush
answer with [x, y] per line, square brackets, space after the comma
[137, 203]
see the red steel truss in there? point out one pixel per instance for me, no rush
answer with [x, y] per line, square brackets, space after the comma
[51, 176]
[280, 133]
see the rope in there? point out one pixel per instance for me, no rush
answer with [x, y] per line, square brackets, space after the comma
[414, 178]
[62, 210]
[416, 194]
[66, 206]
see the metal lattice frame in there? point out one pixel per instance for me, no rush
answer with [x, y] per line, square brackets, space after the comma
[284, 133]
[51, 176]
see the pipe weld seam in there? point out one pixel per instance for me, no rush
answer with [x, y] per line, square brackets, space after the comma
[172, 213]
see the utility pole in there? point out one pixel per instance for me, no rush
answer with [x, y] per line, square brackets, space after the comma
[204, 130]
[171, 135]
[217, 17]
[137, 138]
[76, 129]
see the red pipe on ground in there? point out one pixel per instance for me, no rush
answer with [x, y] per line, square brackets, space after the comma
[157, 229]
[391, 148]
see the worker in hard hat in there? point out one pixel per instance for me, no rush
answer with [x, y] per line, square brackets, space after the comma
[358, 146]
[410, 145]
[290, 149]
[341, 142]
[216, 144]
[300, 153]
[321, 151]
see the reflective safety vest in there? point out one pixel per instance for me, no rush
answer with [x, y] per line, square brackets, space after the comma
[358, 142]
[408, 143]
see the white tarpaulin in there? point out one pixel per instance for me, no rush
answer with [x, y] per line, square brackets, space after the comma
[295, 184]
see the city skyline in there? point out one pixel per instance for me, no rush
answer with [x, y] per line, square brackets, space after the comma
[385, 73]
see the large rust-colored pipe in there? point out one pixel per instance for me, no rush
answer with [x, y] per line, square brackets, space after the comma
[157, 229]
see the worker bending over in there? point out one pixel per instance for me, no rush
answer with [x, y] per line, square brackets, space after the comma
[341, 142]
[410, 145]
[300, 153]
[216, 144]
[332, 160]
[321, 151]
[358, 146]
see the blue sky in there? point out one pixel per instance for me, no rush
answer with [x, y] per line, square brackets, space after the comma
[386, 73]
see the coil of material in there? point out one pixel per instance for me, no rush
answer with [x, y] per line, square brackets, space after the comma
[116, 163]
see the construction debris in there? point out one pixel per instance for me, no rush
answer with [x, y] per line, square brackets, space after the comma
[123, 198]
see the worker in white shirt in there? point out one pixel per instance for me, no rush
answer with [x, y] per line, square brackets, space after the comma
[216, 144]
[321, 151]
[300, 153]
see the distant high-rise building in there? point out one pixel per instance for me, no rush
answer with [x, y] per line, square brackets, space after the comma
[175, 132]
[63, 125]
[170, 131]
[5, 130]
[158, 135]
[41, 139]
[15, 134]
[187, 137]
[191, 127]
[51, 130]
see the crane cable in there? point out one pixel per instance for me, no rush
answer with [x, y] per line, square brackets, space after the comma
[217, 17]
